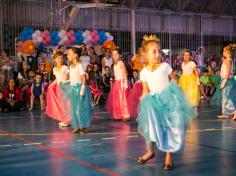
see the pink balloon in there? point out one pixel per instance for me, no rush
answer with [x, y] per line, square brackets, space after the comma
[73, 39]
[47, 32]
[43, 35]
[97, 37]
[68, 42]
[71, 32]
[48, 39]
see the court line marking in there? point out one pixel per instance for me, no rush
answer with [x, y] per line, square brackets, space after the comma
[111, 138]
[133, 132]
[212, 147]
[5, 145]
[58, 142]
[83, 140]
[34, 143]
[61, 154]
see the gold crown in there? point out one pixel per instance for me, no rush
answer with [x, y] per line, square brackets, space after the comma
[151, 38]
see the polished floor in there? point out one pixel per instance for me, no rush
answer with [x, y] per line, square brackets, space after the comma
[31, 144]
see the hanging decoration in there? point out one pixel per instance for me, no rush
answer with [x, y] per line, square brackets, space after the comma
[30, 39]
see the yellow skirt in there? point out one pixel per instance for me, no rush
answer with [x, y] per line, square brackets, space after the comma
[189, 85]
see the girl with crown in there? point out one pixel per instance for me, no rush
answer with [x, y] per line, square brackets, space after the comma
[189, 80]
[227, 95]
[164, 110]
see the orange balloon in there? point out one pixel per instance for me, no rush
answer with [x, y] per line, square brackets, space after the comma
[29, 47]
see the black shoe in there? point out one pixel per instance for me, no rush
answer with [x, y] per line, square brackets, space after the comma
[143, 161]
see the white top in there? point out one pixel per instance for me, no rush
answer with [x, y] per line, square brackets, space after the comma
[223, 70]
[188, 68]
[61, 75]
[118, 71]
[108, 62]
[85, 61]
[157, 80]
[76, 73]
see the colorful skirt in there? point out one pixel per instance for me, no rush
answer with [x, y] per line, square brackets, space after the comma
[189, 85]
[163, 118]
[134, 99]
[117, 102]
[81, 107]
[56, 107]
[226, 98]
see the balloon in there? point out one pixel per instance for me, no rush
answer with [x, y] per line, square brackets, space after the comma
[65, 38]
[73, 39]
[48, 39]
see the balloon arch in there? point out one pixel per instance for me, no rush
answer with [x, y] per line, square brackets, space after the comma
[30, 40]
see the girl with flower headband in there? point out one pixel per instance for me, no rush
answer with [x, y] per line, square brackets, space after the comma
[164, 110]
[55, 107]
[227, 94]
[117, 102]
[189, 80]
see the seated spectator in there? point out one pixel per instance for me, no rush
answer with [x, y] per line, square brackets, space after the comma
[98, 75]
[11, 99]
[216, 81]
[205, 84]
[135, 77]
[96, 92]
[106, 80]
[37, 91]
[24, 83]
[6, 71]
[42, 69]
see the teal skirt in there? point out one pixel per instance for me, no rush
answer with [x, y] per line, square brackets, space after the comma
[163, 118]
[226, 98]
[81, 108]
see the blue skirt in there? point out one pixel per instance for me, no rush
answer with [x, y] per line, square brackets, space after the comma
[163, 118]
[81, 108]
[226, 98]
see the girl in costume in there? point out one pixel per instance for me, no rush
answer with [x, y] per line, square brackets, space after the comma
[189, 80]
[117, 102]
[227, 95]
[55, 106]
[164, 110]
[78, 93]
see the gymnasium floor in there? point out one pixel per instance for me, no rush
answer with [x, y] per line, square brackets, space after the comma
[33, 145]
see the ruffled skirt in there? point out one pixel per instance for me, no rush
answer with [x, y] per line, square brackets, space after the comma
[56, 108]
[163, 118]
[134, 99]
[189, 85]
[117, 102]
[81, 108]
[226, 98]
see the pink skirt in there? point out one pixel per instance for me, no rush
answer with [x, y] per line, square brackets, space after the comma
[134, 99]
[95, 91]
[55, 108]
[117, 102]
